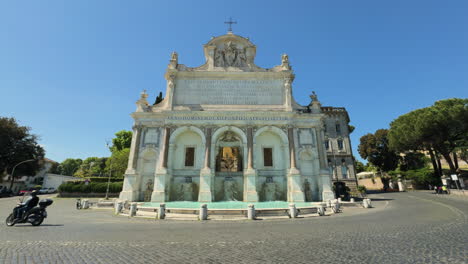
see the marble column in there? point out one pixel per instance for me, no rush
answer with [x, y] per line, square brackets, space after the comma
[206, 174]
[325, 177]
[161, 175]
[131, 185]
[295, 190]
[250, 174]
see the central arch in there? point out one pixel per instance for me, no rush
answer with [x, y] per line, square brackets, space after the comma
[228, 159]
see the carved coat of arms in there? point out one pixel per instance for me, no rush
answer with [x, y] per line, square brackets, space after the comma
[231, 56]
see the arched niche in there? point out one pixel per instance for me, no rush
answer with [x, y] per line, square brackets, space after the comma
[307, 164]
[217, 142]
[181, 139]
[146, 169]
[274, 138]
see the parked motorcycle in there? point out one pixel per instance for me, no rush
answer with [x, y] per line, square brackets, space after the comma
[35, 216]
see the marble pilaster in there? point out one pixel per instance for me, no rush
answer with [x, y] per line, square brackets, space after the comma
[295, 192]
[206, 173]
[250, 174]
[162, 175]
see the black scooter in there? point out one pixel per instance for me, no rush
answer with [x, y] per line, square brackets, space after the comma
[35, 216]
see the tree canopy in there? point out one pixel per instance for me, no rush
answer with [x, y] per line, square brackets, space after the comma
[374, 148]
[118, 162]
[70, 166]
[438, 129]
[122, 140]
[92, 166]
[17, 144]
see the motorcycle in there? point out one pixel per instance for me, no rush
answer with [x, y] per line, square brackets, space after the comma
[35, 216]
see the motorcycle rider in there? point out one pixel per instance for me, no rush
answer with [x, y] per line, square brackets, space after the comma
[27, 205]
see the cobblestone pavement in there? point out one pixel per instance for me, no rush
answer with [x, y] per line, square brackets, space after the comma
[413, 227]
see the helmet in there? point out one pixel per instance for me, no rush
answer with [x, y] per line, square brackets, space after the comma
[34, 193]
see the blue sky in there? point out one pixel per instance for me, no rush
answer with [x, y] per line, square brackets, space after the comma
[72, 70]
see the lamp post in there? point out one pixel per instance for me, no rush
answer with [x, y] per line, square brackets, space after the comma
[13, 171]
[110, 173]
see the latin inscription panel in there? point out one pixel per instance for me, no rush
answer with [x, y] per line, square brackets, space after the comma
[229, 92]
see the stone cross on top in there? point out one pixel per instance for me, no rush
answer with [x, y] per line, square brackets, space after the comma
[230, 22]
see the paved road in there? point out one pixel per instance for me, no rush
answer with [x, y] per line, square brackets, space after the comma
[414, 227]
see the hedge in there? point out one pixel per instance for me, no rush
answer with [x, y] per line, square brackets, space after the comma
[105, 179]
[92, 187]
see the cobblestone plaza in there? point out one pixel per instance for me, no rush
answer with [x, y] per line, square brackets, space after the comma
[413, 227]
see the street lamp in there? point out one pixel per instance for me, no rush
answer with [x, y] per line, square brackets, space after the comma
[110, 172]
[13, 171]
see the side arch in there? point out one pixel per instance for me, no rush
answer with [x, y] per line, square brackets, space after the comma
[276, 130]
[183, 129]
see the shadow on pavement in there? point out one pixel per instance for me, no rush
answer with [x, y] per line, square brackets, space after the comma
[29, 225]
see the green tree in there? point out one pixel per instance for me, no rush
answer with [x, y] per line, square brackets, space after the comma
[118, 162]
[17, 144]
[359, 166]
[374, 148]
[92, 166]
[413, 161]
[55, 168]
[70, 166]
[122, 140]
[438, 129]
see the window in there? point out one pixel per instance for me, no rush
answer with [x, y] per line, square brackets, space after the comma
[189, 157]
[268, 157]
[338, 128]
[327, 144]
[344, 169]
[340, 144]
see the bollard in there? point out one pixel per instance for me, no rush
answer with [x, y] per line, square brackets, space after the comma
[339, 200]
[162, 211]
[203, 212]
[85, 204]
[333, 207]
[118, 207]
[251, 212]
[366, 203]
[321, 210]
[352, 200]
[329, 203]
[292, 211]
[133, 209]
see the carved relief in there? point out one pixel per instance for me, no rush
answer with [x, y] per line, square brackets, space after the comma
[231, 56]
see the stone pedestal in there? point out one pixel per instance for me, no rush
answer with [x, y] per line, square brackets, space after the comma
[130, 188]
[204, 194]
[159, 191]
[250, 185]
[295, 193]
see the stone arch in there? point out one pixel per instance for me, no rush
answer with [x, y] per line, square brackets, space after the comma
[279, 154]
[183, 129]
[272, 129]
[177, 154]
[216, 136]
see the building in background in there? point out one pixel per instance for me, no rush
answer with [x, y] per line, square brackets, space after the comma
[340, 158]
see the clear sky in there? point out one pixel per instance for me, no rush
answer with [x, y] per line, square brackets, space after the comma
[72, 70]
